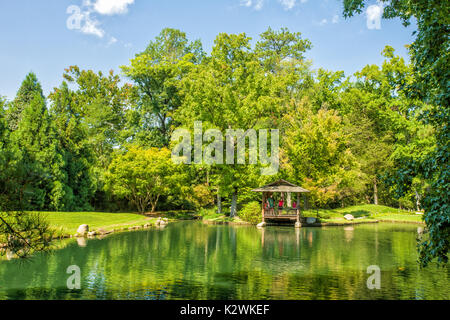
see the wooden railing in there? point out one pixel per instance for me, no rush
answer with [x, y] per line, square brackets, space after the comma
[273, 212]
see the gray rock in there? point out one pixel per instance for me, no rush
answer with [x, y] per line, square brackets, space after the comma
[310, 220]
[298, 225]
[261, 225]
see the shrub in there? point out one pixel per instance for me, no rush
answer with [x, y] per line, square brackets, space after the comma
[202, 197]
[251, 212]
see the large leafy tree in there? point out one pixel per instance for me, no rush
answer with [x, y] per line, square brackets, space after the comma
[320, 158]
[98, 108]
[237, 87]
[156, 72]
[430, 58]
[143, 176]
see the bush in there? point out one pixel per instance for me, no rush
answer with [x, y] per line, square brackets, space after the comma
[251, 212]
[202, 197]
[207, 213]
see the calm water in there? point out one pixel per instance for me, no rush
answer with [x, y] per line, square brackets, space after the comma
[190, 260]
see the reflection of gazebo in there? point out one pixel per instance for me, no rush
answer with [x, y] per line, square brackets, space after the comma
[288, 211]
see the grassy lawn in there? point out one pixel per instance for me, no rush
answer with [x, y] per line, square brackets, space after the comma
[68, 222]
[361, 213]
[368, 211]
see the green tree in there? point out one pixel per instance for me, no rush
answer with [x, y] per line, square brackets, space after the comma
[278, 47]
[37, 158]
[317, 146]
[430, 58]
[72, 132]
[231, 90]
[156, 72]
[143, 176]
[27, 91]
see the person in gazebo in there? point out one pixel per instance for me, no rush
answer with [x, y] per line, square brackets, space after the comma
[270, 203]
[280, 205]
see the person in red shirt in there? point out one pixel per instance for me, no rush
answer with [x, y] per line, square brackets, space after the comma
[280, 204]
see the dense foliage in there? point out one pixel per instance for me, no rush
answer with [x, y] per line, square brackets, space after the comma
[96, 143]
[430, 58]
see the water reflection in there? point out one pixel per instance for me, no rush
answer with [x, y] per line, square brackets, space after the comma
[196, 261]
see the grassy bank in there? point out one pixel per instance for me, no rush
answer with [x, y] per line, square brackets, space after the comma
[67, 223]
[368, 211]
[361, 213]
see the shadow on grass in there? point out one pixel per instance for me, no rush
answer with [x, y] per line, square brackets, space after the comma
[358, 213]
[180, 215]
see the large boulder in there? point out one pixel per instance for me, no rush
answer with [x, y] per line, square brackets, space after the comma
[83, 230]
[349, 217]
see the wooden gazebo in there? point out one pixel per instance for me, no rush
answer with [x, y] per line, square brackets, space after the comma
[289, 211]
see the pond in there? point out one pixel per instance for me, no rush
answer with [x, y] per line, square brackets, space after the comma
[191, 260]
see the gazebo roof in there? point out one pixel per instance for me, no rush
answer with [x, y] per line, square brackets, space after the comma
[280, 186]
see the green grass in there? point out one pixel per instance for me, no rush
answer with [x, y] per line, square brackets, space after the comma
[368, 211]
[212, 215]
[362, 212]
[68, 222]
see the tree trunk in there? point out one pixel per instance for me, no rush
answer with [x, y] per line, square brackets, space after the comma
[219, 202]
[233, 204]
[375, 191]
[417, 200]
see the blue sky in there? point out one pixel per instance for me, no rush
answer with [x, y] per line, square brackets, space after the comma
[44, 37]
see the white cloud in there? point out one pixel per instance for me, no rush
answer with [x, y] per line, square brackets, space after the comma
[323, 22]
[259, 4]
[335, 19]
[246, 3]
[374, 14]
[83, 18]
[91, 25]
[287, 4]
[111, 7]
[112, 40]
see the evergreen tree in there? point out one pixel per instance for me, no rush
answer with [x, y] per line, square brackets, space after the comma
[37, 158]
[29, 88]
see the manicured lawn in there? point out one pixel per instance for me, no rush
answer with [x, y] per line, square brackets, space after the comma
[368, 211]
[70, 221]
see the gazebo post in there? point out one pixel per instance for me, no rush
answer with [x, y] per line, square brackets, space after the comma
[297, 223]
[262, 206]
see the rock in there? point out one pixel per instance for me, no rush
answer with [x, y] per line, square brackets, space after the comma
[261, 225]
[162, 221]
[349, 217]
[147, 225]
[83, 230]
[310, 220]
[298, 225]
[81, 242]
[92, 234]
